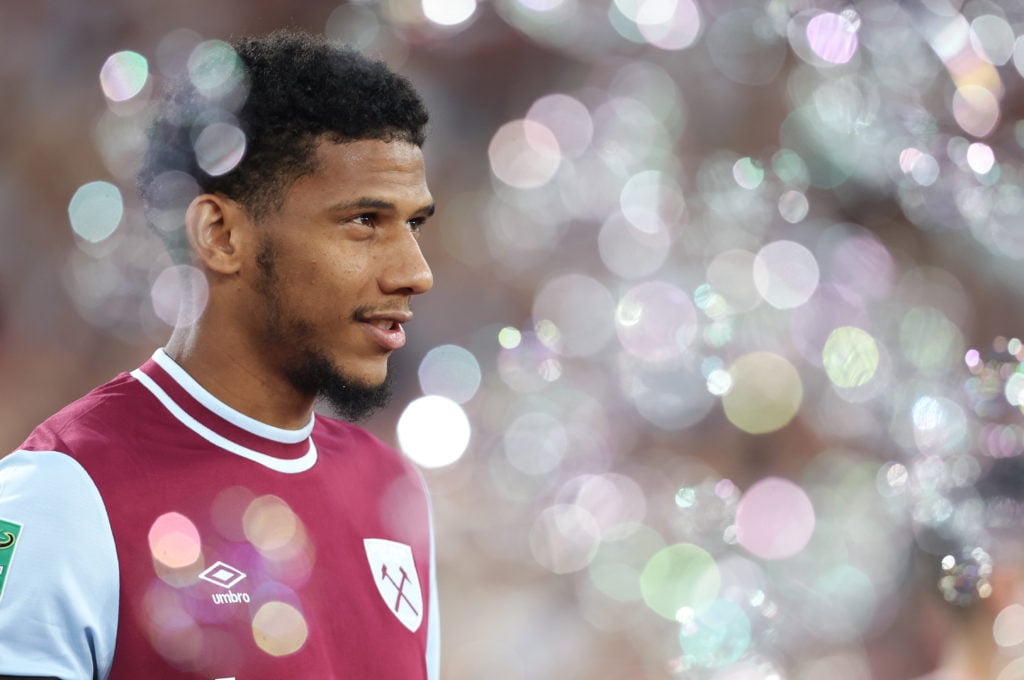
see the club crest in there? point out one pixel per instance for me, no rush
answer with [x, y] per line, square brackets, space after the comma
[394, 572]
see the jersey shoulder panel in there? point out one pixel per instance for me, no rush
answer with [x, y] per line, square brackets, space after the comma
[96, 415]
[58, 572]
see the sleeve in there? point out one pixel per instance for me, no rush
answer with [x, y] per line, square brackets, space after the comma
[433, 614]
[58, 570]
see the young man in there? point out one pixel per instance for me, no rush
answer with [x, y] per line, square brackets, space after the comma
[194, 518]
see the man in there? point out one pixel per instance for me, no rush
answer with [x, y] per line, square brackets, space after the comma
[194, 518]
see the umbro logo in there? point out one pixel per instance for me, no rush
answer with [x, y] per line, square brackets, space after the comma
[225, 576]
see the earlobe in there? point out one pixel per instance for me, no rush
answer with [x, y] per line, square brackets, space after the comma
[213, 223]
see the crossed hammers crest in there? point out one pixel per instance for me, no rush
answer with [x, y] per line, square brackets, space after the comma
[400, 587]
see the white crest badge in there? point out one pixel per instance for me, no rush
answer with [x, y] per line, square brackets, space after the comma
[394, 572]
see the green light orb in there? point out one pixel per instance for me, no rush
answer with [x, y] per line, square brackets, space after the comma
[850, 357]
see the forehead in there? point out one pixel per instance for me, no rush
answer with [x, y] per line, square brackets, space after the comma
[368, 168]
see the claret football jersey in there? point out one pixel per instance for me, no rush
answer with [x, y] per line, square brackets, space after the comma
[148, 530]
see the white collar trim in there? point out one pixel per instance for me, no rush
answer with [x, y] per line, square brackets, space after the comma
[235, 417]
[286, 465]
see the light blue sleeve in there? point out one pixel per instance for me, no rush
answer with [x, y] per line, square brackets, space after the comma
[433, 616]
[59, 589]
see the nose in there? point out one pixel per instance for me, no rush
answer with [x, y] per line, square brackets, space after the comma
[406, 272]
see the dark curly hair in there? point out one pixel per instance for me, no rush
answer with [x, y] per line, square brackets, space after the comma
[283, 92]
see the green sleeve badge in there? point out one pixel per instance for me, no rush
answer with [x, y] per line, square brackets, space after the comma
[9, 534]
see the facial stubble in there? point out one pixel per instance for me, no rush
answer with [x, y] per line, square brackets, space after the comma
[307, 367]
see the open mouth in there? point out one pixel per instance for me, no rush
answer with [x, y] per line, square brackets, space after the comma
[383, 324]
[388, 334]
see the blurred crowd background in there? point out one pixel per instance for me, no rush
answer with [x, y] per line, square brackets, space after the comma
[725, 336]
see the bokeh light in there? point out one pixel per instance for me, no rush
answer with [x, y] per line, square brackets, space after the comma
[656, 321]
[449, 12]
[716, 637]
[766, 392]
[174, 541]
[774, 519]
[433, 431]
[680, 580]
[850, 356]
[786, 274]
[271, 525]
[1008, 627]
[671, 25]
[567, 118]
[123, 75]
[279, 629]
[179, 295]
[833, 37]
[524, 154]
[219, 148]
[450, 371]
[96, 210]
[215, 69]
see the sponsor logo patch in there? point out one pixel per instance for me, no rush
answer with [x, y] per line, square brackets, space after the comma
[10, 533]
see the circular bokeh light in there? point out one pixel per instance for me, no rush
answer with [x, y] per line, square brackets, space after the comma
[96, 210]
[279, 629]
[786, 274]
[449, 12]
[450, 371]
[680, 578]
[850, 357]
[433, 431]
[219, 148]
[717, 636]
[524, 154]
[123, 75]
[179, 295]
[656, 321]
[174, 541]
[765, 395]
[774, 519]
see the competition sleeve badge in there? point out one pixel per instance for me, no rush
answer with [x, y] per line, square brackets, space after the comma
[394, 572]
[9, 534]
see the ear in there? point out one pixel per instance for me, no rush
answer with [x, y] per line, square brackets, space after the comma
[216, 226]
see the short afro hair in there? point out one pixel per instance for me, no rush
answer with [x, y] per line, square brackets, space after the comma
[274, 96]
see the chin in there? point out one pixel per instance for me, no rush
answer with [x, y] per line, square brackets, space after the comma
[370, 377]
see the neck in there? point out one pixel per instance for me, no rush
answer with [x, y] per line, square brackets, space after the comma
[237, 377]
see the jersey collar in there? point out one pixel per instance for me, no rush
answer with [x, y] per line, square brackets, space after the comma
[193, 406]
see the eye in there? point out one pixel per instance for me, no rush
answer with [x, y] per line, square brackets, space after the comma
[366, 219]
[416, 224]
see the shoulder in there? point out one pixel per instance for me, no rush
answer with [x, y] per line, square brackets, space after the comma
[58, 569]
[91, 415]
[51, 481]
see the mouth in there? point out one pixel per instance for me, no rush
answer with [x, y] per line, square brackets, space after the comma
[385, 328]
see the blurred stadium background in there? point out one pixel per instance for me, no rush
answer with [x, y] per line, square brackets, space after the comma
[726, 319]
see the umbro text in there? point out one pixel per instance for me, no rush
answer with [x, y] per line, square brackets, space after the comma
[229, 597]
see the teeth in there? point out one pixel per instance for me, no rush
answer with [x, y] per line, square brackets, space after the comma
[383, 324]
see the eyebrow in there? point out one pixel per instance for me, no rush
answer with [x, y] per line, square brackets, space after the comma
[366, 203]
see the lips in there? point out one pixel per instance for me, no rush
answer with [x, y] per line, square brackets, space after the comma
[386, 328]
